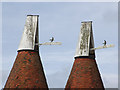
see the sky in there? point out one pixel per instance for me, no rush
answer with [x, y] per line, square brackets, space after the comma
[62, 20]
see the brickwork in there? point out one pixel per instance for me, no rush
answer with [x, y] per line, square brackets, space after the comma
[84, 74]
[27, 72]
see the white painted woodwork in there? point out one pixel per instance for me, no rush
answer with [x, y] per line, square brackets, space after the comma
[30, 31]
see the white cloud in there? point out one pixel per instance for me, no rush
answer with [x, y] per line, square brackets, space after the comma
[0, 79]
[107, 61]
[107, 56]
[110, 80]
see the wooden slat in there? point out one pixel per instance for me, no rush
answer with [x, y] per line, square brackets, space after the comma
[50, 43]
[101, 47]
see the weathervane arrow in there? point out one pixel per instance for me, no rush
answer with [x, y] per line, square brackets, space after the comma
[101, 47]
[50, 43]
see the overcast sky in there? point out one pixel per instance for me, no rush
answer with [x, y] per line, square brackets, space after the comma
[62, 21]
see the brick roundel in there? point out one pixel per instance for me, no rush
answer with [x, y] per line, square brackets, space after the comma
[84, 74]
[27, 71]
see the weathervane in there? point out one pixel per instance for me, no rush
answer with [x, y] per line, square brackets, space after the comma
[50, 43]
[104, 46]
[85, 46]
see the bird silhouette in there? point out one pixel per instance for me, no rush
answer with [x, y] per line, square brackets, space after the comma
[52, 39]
[104, 42]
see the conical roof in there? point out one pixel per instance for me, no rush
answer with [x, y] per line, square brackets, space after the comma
[27, 71]
[85, 73]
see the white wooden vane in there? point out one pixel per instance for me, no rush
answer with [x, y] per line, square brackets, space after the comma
[50, 43]
[85, 46]
[30, 36]
[101, 47]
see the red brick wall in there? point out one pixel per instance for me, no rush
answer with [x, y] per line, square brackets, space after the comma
[27, 72]
[84, 74]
